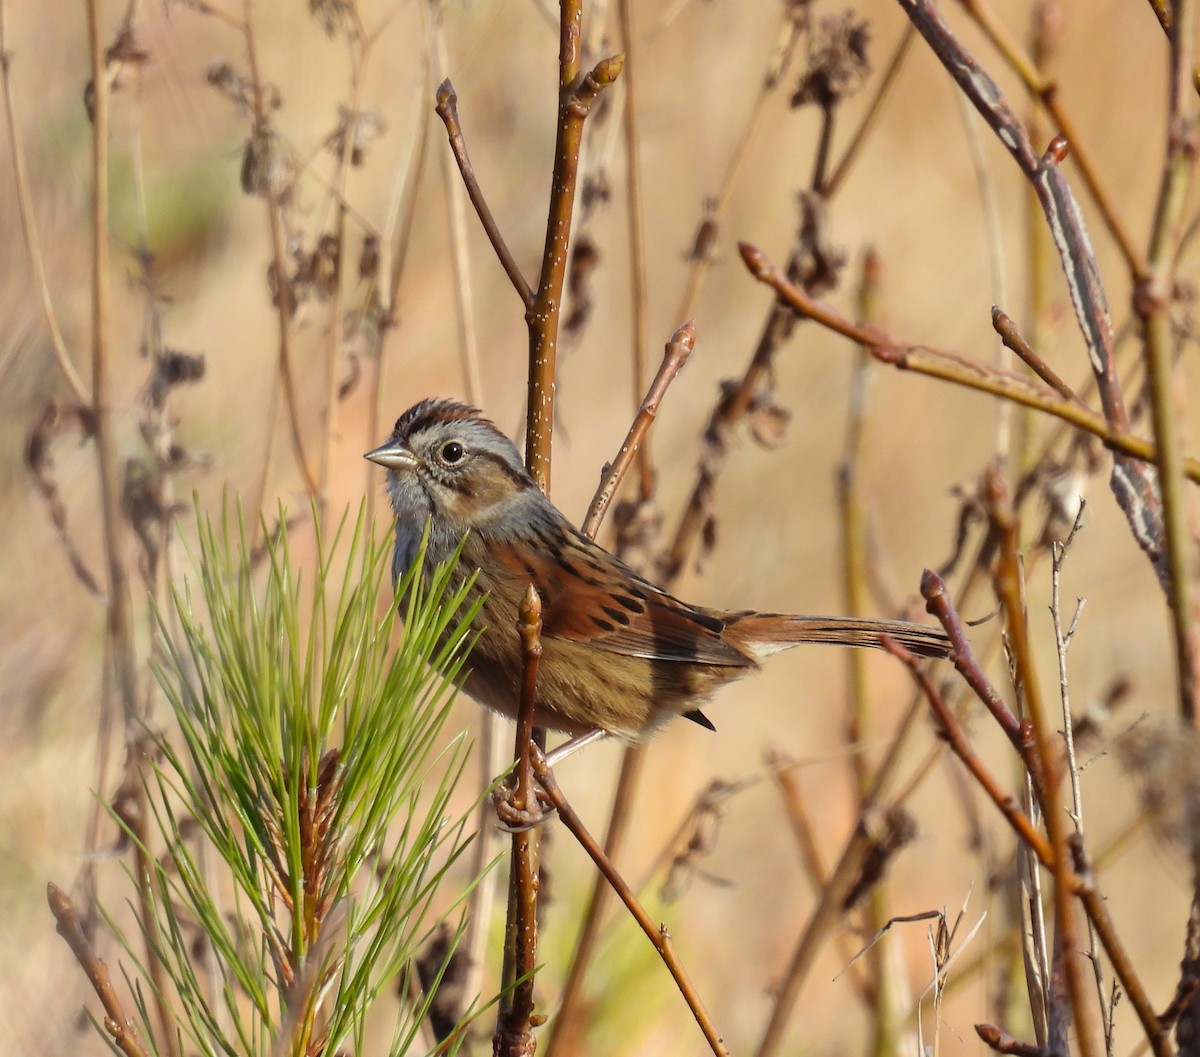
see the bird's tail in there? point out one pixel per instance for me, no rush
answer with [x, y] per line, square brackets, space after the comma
[761, 634]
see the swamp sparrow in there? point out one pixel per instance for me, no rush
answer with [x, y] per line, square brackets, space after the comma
[618, 653]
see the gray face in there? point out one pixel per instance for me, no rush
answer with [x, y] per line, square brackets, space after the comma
[448, 466]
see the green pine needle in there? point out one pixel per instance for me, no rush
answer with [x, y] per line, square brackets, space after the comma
[304, 802]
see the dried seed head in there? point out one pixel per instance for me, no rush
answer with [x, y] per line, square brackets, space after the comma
[837, 61]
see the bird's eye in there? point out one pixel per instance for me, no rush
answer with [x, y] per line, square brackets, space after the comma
[453, 452]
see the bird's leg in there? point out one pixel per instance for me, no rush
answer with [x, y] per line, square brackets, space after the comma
[580, 741]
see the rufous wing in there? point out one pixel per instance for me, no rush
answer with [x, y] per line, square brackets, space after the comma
[588, 595]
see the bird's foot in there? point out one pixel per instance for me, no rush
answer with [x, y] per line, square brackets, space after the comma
[514, 819]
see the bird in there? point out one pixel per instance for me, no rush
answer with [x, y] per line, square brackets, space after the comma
[619, 654]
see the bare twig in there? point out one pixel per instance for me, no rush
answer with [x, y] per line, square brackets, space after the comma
[841, 881]
[263, 131]
[793, 23]
[1062, 640]
[1009, 591]
[395, 241]
[1153, 302]
[871, 113]
[952, 367]
[1007, 329]
[1045, 90]
[1132, 483]
[566, 1021]
[447, 110]
[116, 1022]
[33, 245]
[657, 934]
[360, 53]
[1002, 1042]
[639, 302]
[853, 514]
[1080, 884]
[678, 349]
[783, 770]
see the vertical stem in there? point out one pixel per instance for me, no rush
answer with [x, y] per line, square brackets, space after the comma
[514, 1026]
[637, 243]
[1155, 303]
[854, 581]
[1046, 775]
[119, 611]
[543, 314]
[279, 253]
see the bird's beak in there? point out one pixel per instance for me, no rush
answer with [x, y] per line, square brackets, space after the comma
[393, 455]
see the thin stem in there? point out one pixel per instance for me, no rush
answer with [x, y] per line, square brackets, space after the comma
[464, 303]
[841, 881]
[117, 1022]
[119, 610]
[1007, 329]
[1062, 642]
[985, 178]
[1080, 884]
[1045, 91]
[951, 367]
[791, 28]
[394, 243]
[730, 411]
[360, 53]
[871, 114]
[279, 260]
[33, 245]
[679, 348]
[1154, 303]
[566, 1022]
[637, 241]
[447, 110]
[657, 934]
[783, 770]
[853, 516]
[119, 624]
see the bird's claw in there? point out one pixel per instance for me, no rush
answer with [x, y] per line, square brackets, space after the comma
[515, 819]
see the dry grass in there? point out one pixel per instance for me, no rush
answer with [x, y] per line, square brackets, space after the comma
[912, 195]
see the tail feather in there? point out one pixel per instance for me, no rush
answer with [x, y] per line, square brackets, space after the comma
[761, 634]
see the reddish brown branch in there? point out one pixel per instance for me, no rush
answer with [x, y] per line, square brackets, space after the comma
[952, 732]
[1002, 1042]
[70, 928]
[951, 367]
[1078, 882]
[516, 1019]
[938, 604]
[657, 934]
[1132, 482]
[1003, 324]
[447, 110]
[679, 348]
[542, 314]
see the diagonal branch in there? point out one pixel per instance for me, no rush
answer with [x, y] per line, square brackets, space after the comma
[657, 934]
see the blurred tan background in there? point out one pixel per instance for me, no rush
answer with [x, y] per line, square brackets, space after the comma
[913, 195]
